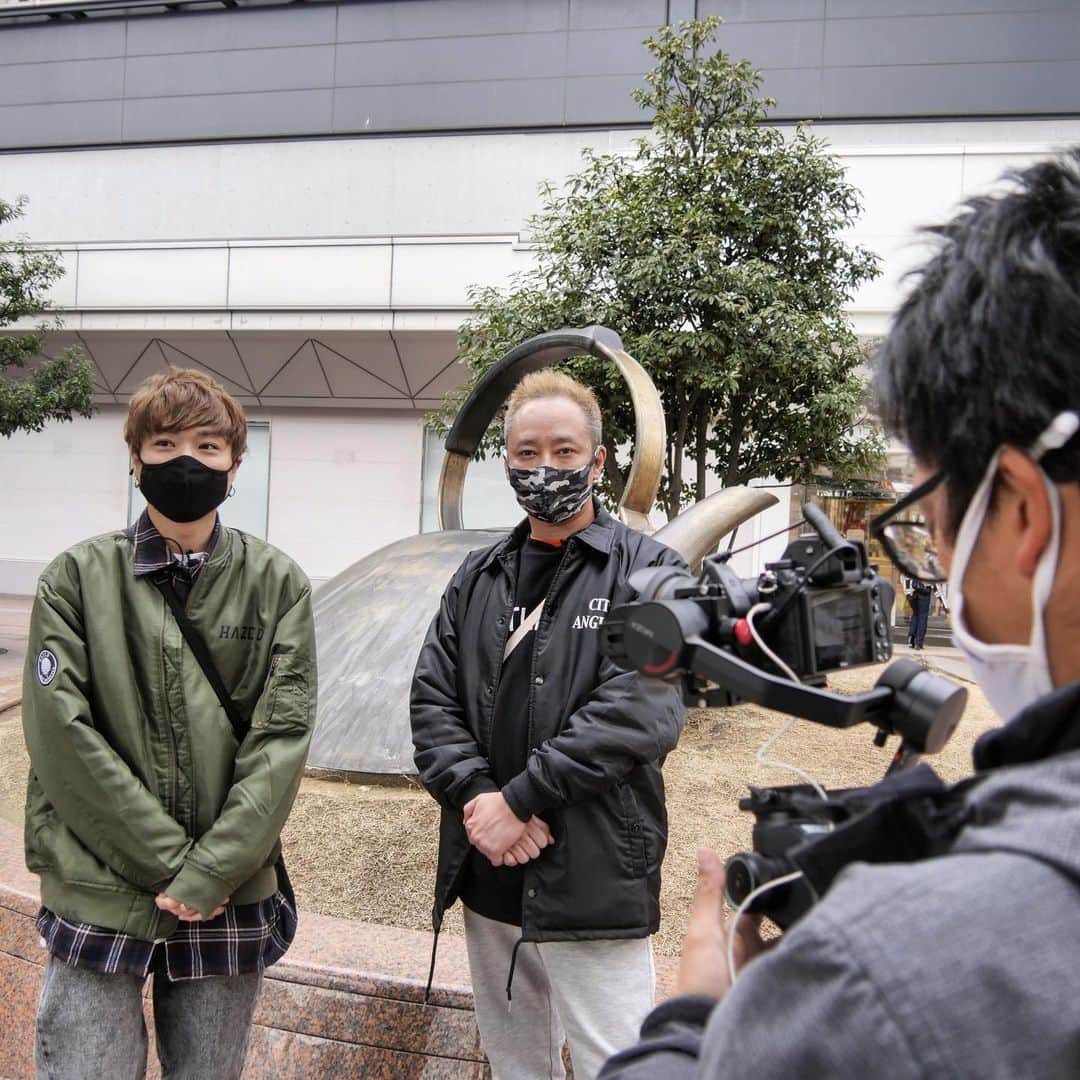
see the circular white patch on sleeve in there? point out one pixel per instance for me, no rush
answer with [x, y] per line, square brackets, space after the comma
[47, 667]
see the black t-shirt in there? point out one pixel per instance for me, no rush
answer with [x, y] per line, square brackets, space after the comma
[495, 891]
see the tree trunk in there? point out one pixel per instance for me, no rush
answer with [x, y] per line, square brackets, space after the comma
[738, 431]
[678, 449]
[613, 474]
[702, 420]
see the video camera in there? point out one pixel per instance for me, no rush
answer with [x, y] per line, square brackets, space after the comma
[773, 640]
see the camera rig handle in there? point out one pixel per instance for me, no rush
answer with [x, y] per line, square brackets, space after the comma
[824, 527]
[664, 640]
[908, 700]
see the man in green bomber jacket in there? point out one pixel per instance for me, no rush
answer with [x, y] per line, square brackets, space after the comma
[153, 826]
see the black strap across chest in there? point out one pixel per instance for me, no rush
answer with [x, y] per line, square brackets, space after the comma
[199, 648]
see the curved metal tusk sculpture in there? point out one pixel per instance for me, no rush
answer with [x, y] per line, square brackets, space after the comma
[371, 619]
[487, 397]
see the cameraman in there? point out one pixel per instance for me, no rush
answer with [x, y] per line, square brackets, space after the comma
[964, 964]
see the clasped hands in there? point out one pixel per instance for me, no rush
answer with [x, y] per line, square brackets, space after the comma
[500, 835]
[183, 912]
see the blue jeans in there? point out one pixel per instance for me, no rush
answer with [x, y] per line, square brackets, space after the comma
[91, 1025]
[920, 613]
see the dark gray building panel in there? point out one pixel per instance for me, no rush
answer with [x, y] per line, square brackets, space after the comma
[360, 66]
[763, 10]
[42, 43]
[954, 39]
[71, 123]
[946, 90]
[602, 14]
[248, 28]
[67, 80]
[309, 67]
[608, 52]
[589, 97]
[854, 9]
[473, 59]
[796, 91]
[789, 44]
[440, 106]
[388, 20]
[227, 116]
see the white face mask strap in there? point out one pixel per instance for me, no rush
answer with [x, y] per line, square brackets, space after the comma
[1061, 429]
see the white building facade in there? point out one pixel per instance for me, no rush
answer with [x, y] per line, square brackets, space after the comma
[298, 200]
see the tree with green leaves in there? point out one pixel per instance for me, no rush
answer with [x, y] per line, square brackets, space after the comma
[34, 390]
[716, 250]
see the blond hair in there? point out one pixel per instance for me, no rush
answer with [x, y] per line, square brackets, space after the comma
[180, 398]
[547, 384]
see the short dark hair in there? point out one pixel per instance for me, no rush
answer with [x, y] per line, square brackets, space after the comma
[985, 350]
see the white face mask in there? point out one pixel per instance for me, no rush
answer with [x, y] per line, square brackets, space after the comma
[1011, 676]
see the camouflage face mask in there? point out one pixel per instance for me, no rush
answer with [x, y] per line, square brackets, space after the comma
[549, 494]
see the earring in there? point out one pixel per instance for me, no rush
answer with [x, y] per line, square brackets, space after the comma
[232, 492]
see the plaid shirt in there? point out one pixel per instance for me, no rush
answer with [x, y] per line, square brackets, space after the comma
[244, 937]
[152, 554]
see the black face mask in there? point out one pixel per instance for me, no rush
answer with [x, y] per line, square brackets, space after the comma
[183, 488]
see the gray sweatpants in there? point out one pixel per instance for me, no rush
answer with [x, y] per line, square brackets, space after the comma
[599, 992]
[91, 1025]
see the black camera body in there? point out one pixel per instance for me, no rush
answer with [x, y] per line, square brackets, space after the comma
[785, 819]
[829, 609]
[818, 609]
[773, 640]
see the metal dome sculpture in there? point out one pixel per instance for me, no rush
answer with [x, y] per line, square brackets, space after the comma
[371, 619]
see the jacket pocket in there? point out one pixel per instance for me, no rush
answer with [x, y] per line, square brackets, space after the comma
[286, 708]
[634, 829]
[38, 809]
[51, 847]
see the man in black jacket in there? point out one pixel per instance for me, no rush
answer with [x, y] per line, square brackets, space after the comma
[545, 757]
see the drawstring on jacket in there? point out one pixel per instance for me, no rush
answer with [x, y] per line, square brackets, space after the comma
[510, 978]
[431, 970]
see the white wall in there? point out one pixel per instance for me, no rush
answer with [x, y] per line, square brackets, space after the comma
[409, 186]
[61, 486]
[439, 188]
[342, 484]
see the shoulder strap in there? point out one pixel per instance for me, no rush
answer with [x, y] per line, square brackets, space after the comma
[202, 654]
[527, 624]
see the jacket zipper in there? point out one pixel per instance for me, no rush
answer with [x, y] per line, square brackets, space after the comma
[167, 618]
[489, 714]
[540, 626]
[205, 572]
[544, 615]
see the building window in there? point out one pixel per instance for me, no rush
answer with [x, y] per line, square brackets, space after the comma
[489, 502]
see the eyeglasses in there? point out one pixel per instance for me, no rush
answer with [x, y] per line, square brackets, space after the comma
[905, 537]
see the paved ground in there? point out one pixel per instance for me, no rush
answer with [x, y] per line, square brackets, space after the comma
[949, 661]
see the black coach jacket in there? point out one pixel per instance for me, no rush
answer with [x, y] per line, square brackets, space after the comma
[597, 735]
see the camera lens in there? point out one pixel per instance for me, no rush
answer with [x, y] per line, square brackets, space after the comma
[747, 871]
[740, 877]
[659, 582]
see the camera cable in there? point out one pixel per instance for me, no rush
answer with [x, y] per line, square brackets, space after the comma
[740, 911]
[761, 755]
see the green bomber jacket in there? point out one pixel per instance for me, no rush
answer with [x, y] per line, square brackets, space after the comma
[137, 783]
